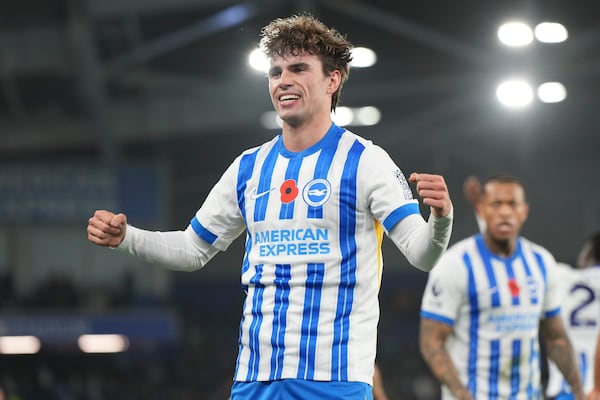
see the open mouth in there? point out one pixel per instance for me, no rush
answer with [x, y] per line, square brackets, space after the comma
[288, 98]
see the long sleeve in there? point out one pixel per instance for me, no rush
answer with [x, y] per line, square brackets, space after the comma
[422, 243]
[176, 250]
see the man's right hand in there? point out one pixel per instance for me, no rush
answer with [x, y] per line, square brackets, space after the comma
[106, 228]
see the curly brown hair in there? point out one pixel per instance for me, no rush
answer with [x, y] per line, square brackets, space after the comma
[305, 34]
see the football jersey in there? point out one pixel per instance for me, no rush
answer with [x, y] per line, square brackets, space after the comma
[314, 223]
[580, 311]
[494, 305]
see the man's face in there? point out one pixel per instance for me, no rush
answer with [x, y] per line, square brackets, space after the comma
[299, 89]
[504, 209]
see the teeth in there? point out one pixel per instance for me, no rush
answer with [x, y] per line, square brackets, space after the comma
[289, 97]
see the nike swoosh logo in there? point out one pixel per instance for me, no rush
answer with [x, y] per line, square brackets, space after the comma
[254, 195]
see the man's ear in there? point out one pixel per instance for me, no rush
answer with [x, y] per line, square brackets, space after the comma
[335, 78]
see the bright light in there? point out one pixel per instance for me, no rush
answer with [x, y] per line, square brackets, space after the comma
[342, 116]
[514, 93]
[515, 34]
[363, 57]
[19, 345]
[103, 343]
[367, 116]
[270, 120]
[551, 32]
[258, 60]
[552, 92]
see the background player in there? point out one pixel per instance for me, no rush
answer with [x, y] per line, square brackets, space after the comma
[482, 305]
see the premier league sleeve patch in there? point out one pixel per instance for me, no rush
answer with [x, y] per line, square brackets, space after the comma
[404, 183]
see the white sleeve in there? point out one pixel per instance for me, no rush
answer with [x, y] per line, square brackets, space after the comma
[422, 243]
[176, 250]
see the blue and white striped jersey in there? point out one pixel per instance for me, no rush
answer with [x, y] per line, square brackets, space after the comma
[314, 224]
[580, 311]
[494, 305]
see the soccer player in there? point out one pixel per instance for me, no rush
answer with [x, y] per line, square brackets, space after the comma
[314, 203]
[580, 311]
[583, 302]
[482, 305]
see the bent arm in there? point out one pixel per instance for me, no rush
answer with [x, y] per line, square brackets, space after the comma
[595, 393]
[432, 339]
[422, 243]
[560, 350]
[175, 250]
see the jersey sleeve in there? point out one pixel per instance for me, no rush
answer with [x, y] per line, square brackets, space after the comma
[445, 290]
[219, 220]
[554, 292]
[388, 192]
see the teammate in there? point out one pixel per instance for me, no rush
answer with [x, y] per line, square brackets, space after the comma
[580, 312]
[314, 203]
[583, 319]
[482, 306]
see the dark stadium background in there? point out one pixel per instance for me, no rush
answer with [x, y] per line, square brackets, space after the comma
[139, 106]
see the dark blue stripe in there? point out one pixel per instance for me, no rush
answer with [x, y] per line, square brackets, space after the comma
[264, 184]
[292, 171]
[542, 265]
[399, 214]
[583, 365]
[202, 232]
[534, 362]
[257, 319]
[244, 174]
[437, 317]
[494, 370]
[324, 163]
[514, 368]
[489, 270]
[310, 320]
[283, 275]
[347, 230]
[473, 327]
[511, 277]
[534, 295]
[552, 313]
[247, 163]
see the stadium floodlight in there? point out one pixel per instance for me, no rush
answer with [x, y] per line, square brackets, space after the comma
[109, 343]
[343, 116]
[363, 57]
[514, 93]
[515, 34]
[367, 116]
[258, 61]
[551, 32]
[552, 92]
[19, 345]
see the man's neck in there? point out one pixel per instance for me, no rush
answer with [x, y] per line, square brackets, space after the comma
[299, 138]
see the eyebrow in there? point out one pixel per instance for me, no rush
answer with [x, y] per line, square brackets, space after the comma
[290, 66]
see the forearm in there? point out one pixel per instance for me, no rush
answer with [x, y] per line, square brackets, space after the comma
[595, 394]
[561, 352]
[176, 250]
[422, 243]
[433, 350]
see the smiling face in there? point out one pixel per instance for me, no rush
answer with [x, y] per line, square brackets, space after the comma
[505, 210]
[300, 91]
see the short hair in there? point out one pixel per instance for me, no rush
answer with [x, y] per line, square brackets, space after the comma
[502, 179]
[305, 34]
[594, 241]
